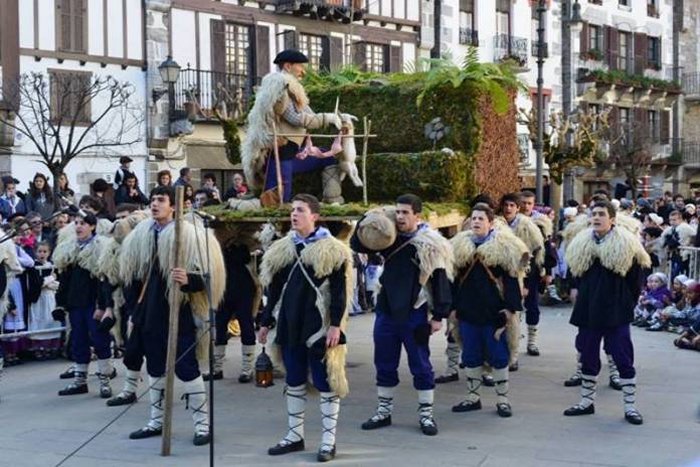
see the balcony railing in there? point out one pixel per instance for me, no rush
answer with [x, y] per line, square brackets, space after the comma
[691, 152]
[510, 48]
[469, 36]
[338, 10]
[690, 83]
[207, 89]
[536, 48]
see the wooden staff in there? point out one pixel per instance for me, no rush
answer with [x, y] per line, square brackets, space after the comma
[278, 166]
[366, 136]
[175, 300]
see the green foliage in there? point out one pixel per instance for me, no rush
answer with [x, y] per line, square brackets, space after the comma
[623, 78]
[435, 176]
[233, 140]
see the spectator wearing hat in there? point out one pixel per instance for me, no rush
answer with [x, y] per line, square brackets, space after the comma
[120, 175]
[14, 200]
[690, 214]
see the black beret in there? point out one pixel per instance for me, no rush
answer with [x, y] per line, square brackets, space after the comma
[290, 56]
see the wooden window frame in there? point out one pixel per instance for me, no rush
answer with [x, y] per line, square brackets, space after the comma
[85, 117]
[59, 5]
[233, 67]
[306, 46]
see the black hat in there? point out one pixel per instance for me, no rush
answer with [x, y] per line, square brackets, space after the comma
[290, 56]
[100, 185]
[125, 160]
[8, 179]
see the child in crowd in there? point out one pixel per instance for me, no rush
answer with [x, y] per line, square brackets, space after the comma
[42, 298]
[654, 298]
[677, 319]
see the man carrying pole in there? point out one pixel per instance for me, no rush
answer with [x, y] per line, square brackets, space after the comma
[148, 261]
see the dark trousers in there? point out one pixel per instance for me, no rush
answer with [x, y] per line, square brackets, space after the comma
[289, 168]
[619, 344]
[243, 311]
[389, 336]
[578, 343]
[155, 347]
[297, 363]
[532, 301]
[133, 350]
[476, 339]
[84, 332]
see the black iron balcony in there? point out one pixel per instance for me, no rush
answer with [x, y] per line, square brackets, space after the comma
[536, 48]
[691, 152]
[199, 92]
[469, 36]
[508, 47]
[690, 83]
[345, 11]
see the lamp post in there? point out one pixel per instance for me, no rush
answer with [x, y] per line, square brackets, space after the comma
[540, 100]
[571, 28]
[169, 71]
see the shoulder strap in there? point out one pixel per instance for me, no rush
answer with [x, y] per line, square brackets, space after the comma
[391, 255]
[489, 273]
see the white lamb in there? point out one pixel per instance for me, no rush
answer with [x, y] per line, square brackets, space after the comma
[346, 159]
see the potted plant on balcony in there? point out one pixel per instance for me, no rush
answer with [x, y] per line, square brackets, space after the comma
[593, 54]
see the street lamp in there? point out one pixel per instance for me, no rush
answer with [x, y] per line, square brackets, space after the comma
[169, 71]
[541, 9]
[572, 24]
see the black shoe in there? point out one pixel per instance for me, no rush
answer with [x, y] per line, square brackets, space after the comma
[504, 410]
[428, 427]
[573, 381]
[201, 439]
[217, 376]
[68, 374]
[488, 381]
[579, 410]
[447, 378]
[467, 406]
[615, 384]
[325, 455]
[146, 432]
[245, 378]
[656, 327]
[373, 424]
[634, 417]
[644, 324]
[533, 351]
[279, 448]
[514, 366]
[122, 400]
[73, 389]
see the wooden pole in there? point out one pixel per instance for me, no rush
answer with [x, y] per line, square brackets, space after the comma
[174, 299]
[365, 140]
[278, 166]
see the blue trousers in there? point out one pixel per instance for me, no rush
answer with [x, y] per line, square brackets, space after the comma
[619, 343]
[389, 336]
[532, 301]
[297, 363]
[289, 168]
[84, 332]
[477, 338]
[154, 345]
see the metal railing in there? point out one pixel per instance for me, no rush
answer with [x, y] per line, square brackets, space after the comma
[691, 152]
[468, 36]
[355, 4]
[510, 47]
[690, 83]
[206, 88]
[690, 256]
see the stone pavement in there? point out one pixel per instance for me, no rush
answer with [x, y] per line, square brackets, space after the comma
[37, 428]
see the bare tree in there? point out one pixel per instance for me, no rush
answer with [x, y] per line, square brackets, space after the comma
[630, 152]
[66, 115]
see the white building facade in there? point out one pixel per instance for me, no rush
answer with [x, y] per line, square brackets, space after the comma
[84, 39]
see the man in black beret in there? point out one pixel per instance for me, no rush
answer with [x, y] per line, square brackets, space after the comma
[281, 99]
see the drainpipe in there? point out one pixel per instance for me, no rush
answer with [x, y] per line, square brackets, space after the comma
[435, 52]
[676, 142]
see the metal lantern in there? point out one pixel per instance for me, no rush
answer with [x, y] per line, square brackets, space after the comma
[263, 370]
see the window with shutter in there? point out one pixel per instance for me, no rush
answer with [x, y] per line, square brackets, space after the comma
[665, 133]
[359, 55]
[262, 51]
[290, 39]
[336, 52]
[375, 58]
[640, 53]
[395, 59]
[70, 97]
[312, 46]
[71, 25]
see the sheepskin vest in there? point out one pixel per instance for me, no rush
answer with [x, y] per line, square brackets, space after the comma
[526, 230]
[323, 257]
[8, 259]
[504, 250]
[617, 253]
